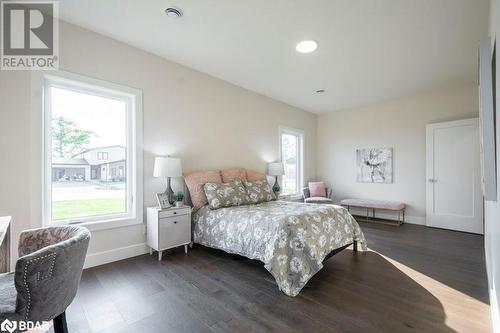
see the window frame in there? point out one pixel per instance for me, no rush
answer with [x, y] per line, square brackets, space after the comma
[134, 187]
[300, 167]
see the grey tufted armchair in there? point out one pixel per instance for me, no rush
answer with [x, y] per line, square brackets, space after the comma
[47, 275]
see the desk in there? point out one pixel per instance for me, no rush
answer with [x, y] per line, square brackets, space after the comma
[4, 244]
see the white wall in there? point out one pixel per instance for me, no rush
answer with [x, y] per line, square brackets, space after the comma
[399, 124]
[207, 122]
[492, 214]
[15, 169]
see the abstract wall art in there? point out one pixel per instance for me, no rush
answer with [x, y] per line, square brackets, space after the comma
[374, 165]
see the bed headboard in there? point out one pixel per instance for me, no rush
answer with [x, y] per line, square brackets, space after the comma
[248, 174]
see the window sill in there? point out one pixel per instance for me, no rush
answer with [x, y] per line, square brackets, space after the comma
[105, 224]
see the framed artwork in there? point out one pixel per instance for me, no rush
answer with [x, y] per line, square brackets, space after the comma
[374, 165]
[162, 199]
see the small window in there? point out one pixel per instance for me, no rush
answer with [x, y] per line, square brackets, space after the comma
[291, 144]
[80, 120]
[103, 156]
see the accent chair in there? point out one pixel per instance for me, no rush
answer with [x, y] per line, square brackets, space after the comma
[317, 200]
[47, 275]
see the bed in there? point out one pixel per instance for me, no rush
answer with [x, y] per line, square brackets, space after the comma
[291, 239]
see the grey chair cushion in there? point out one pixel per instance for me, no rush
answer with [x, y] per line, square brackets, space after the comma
[8, 293]
[320, 200]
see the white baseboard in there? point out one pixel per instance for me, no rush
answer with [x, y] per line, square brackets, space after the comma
[105, 257]
[394, 216]
[495, 311]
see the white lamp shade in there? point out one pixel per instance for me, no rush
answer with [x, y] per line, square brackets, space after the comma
[275, 169]
[167, 167]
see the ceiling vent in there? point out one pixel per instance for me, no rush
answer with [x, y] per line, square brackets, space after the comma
[173, 12]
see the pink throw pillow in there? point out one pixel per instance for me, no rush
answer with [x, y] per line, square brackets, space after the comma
[317, 189]
[228, 175]
[253, 176]
[196, 180]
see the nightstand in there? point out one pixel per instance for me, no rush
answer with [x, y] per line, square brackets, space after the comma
[168, 228]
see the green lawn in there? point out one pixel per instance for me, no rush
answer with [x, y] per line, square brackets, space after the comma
[69, 209]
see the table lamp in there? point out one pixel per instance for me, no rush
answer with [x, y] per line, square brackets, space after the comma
[168, 167]
[276, 169]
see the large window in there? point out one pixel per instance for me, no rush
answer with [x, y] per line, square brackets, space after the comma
[89, 134]
[291, 141]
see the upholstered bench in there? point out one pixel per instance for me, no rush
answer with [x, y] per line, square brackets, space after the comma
[396, 206]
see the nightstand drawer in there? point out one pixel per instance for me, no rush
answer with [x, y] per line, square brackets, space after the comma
[174, 231]
[173, 212]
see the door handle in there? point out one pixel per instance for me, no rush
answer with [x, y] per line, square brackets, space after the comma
[432, 180]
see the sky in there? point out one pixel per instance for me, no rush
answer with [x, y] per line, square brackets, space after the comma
[104, 116]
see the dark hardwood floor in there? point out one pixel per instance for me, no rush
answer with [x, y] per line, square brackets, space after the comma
[415, 279]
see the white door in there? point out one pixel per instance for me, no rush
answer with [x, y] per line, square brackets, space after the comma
[454, 197]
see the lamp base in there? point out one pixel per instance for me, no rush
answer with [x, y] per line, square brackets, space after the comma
[169, 192]
[276, 186]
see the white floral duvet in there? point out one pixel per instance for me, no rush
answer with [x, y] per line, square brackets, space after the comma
[291, 239]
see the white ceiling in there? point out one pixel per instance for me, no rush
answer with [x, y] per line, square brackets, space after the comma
[369, 50]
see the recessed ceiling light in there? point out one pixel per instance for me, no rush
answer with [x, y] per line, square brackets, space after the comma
[320, 91]
[173, 12]
[306, 46]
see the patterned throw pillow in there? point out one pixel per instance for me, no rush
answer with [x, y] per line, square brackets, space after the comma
[226, 195]
[259, 191]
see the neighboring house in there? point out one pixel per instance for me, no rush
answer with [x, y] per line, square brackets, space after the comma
[102, 163]
[66, 169]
